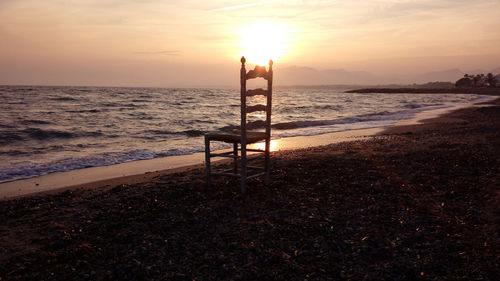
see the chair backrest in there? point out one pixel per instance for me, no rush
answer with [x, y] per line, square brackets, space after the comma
[258, 71]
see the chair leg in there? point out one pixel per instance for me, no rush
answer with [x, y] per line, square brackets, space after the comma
[266, 162]
[243, 173]
[235, 154]
[207, 160]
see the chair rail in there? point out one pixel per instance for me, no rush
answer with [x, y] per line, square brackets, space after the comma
[257, 107]
[257, 92]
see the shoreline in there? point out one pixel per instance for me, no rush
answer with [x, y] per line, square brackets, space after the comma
[145, 170]
[471, 90]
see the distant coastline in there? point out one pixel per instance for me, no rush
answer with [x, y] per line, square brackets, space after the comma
[479, 91]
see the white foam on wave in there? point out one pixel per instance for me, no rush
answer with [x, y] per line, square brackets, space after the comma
[29, 169]
[356, 123]
[373, 121]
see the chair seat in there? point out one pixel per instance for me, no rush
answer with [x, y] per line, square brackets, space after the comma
[235, 137]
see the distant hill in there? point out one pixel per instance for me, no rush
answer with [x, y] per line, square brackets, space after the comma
[495, 71]
[450, 75]
[295, 75]
[484, 71]
[348, 87]
[307, 76]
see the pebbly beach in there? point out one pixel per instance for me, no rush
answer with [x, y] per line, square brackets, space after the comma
[415, 201]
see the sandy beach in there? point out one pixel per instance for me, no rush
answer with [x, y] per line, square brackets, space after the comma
[414, 201]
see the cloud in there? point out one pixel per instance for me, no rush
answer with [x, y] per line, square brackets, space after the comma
[168, 53]
[320, 31]
[240, 6]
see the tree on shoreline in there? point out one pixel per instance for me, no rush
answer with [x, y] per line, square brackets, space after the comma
[490, 79]
[478, 80]
[464, 82]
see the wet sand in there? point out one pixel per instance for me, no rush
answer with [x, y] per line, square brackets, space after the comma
[415, 201]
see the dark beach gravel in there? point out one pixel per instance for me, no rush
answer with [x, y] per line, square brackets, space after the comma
[417, 204]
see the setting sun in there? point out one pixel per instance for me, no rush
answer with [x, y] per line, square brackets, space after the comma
[262, 41]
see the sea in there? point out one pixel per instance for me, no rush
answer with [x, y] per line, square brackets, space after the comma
[46, 129]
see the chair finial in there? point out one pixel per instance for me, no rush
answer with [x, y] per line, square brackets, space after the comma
[271, 64]
[243, 60]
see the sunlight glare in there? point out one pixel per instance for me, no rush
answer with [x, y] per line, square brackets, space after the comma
[262, 41]
[274, 145]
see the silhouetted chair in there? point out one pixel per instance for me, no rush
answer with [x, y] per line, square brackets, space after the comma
[243, 137]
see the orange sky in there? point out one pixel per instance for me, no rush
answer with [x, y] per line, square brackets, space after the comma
[198, 43]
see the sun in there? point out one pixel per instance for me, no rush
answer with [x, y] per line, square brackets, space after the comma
[262, 41]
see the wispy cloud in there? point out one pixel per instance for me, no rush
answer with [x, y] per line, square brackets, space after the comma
[168, 53]
[247, 5]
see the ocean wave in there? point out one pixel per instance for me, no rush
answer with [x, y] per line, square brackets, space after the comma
[310, 108]
[181, 116]
[33, 169]
[63, 99]
[412, 105]
[20, 89]
[328, 107]
[84, 111]
[17, 152]
[189, 133]
[375, 114]
[7, 138]
[41, 134]
[193, 133]
[381, 116]
[109, 104]
[35, 122]
[312, 123]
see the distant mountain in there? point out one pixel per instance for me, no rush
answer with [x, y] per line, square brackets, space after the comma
[350, 77]
[295, 75]
[495, 71]
[450, 75]
[484, 71]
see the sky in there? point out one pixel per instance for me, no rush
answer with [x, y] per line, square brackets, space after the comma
[194, 43]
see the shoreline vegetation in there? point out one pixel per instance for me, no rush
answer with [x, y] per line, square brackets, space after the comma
[418, 201]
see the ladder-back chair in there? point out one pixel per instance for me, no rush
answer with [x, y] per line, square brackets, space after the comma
[243, 136]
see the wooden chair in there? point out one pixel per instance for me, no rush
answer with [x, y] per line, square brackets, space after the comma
[243, 137]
